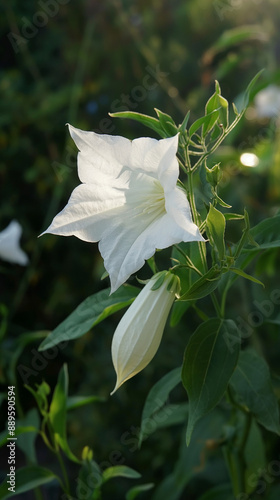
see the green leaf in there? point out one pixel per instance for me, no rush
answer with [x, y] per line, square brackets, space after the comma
[254, 456]
[216, 225]
[58, 413]
[134, 492]
[89, 480]
[89, 313]
[190, 461]
[184, 123]
[221, 492]
[216, 102]
[157, 397]
[248, 91]
[167, 123]
[19, 430]
[230, 216]
[167, 416]
[120, 471]
[146, 120]
[26, 441]
[178, 310]
[223, 105]
[27, 479]
[41, 396]
[252, 384]
[235, 36]
[207, 120]
[203, 286]
[245, 275]
[78, 401]
[207, 367]
[266, 233]
[221, 202]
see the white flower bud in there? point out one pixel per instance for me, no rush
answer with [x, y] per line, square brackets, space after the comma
[138, 335]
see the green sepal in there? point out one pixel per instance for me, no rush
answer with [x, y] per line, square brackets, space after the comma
[213, 175]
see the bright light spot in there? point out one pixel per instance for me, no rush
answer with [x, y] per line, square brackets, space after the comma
[249, 159]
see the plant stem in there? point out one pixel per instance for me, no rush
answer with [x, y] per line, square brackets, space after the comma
[201, 244]
[216, 305]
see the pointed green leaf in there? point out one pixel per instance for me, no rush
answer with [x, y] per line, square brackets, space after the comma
[203, 286]
[134, 492]
[58, 413]
[216, 225]
[254, 456]
[223, 105]
[120, 471]
[90, 475]
[245, 275]
[78, 401]
[266, 233]
[146, 120]
[222, 202]
[89, 313]
[158, 396]
[184, 123]
[207, 120]
[252, 383]
[207, 367]
[230, 216]
[167, 123]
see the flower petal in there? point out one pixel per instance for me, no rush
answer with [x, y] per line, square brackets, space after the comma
[105, 153]
[156, 158]
[9, 245]
[89, 207]
[126, 244]
[178, 207]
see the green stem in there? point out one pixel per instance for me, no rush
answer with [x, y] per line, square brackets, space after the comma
[216, 305]
[201, 244]
[64, 473]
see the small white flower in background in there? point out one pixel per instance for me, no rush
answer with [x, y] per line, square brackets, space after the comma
[128, 201]
[138, 334]
[267, 102]
[9, 244]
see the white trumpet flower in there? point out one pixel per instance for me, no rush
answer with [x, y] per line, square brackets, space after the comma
[128, 201]
[9, 245]
[138, 335]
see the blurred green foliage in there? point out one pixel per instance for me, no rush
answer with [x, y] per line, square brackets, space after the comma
[85, 60]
